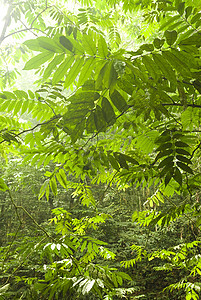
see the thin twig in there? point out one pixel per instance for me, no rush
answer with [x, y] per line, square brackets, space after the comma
[17, 207]
[107, 187]
[179, 104]
[21, 30]
[95, 134]
[195, 150]
[36, 126]
[40, 13]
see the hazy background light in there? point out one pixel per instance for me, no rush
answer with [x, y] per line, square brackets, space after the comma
[3, 11]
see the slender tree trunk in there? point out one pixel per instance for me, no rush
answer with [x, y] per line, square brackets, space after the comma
[6, 24]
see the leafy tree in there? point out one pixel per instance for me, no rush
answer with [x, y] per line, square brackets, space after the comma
[108, 113]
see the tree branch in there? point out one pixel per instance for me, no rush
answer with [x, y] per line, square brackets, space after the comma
[179, 104]
[17, 207]
[37, 125]
[21, 30]
[40, 13]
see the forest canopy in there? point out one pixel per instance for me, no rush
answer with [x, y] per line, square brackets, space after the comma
[100, 104]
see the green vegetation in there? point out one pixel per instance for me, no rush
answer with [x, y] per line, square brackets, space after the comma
[100, 146]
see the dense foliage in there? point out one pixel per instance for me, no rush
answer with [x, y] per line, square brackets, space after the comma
[100, 119]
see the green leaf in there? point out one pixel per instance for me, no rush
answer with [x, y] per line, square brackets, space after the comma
[130, 159]
[124, 276]
[52, 65]
[90, 247]
[164, 146]
[125, 85]
[21, 94]
[102, 47]
[17, 107]
[183, 159]
[197, 85]
[170, 36]
[3, 186]
[33, 44]
[166, 161]
[109, 76]
[163, 138]
[158, 43]
[83, 246]
[181, 144]
[43, 189]
[113, 162]
[87, 98]
[188, 11]
[53, 185]
[118, 101]
[167, 169]
[78, 131]
[165, 67]
[4, 289]
[108, 111]
[89, 45]
[121, 160]
[163, 153]
[182, 151]
[66, 43]
[194, 39]
[63, 177]
[99, 119]
[38, 60]
[49, 44]
[88, 286]
[178, 64]
[78, 48]
[151, 66]
[62, 69]
[90, 123]
[99, 73]
[74, 71]
[31, 94]
[24, 107]
[139, 71]
[147, 47]
[177, 176]
[170, 21]
[196, 18]
[86, 70]
[184, 167]
[168, 178]
[180, 7]
[61, 180]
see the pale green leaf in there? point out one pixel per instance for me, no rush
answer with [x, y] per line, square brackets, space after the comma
[102, 47]
[3, 186]
[38, 60]
[52, 65]
[74, 71]
[53, 185]
[86, 70]
[89, 45]
[62, 69]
